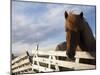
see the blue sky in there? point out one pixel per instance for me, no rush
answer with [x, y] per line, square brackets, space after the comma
[44, 23]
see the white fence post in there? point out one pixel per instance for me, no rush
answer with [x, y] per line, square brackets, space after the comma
[56, 64]
[49, 64]
[76, 63]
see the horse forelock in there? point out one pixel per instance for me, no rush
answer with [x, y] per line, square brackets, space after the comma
[74, 21]
[74, 12]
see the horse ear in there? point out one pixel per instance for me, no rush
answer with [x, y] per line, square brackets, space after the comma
[81, 14]
[66, 14]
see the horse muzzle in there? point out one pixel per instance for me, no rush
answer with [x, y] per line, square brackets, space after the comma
[70, 53]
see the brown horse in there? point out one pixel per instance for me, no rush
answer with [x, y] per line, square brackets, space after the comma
[79, 35]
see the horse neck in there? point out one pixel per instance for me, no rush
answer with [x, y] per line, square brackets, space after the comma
[87, 36]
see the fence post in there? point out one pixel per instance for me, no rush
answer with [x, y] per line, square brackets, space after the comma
[49, 64]
[76, 63]
[35, 56]
[56, 64]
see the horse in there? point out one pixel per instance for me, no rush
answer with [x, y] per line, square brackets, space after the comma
[79, 36]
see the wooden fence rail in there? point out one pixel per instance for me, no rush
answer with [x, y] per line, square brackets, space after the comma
[49, 58]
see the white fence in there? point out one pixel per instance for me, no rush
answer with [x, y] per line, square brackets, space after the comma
[21, 64]
[49, 58]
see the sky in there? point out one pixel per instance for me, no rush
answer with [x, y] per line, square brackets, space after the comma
[43, 23]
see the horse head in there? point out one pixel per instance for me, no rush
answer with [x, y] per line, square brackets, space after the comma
[73, 29]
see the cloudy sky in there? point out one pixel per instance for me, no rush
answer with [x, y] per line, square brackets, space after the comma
[42, 23]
